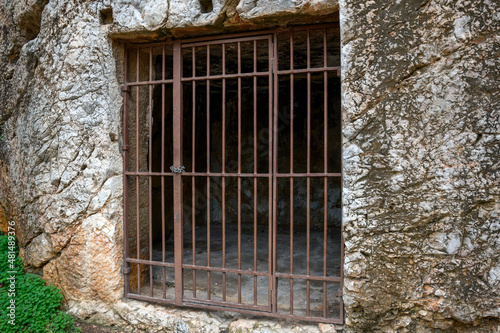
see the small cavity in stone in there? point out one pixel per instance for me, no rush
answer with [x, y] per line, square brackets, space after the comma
[206, 6]
[107, 16]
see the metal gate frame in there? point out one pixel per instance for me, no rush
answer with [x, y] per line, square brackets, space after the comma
[223, 175]
[273, 175]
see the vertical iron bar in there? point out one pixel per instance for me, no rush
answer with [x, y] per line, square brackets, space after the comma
[150, 167]
[239, 171]
[255, 172]
[125, 184]
[193, 179]
[177, 150]
[273, 168]
[308, 169]
[164, 291]
[208, 170]
[270, 298]
[223, 171]
[325, 167]
[137, 122]
[292, 100]
[138, 238]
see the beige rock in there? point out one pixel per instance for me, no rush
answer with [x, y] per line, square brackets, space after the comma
[89, 267]
[39, 251]
[327, 328]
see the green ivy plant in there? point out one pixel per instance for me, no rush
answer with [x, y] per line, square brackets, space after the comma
[36, 305]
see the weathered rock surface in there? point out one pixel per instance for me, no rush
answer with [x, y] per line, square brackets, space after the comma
[421, 201]
[38, 252]
[421, 147]
[59, 143]
[157, 18]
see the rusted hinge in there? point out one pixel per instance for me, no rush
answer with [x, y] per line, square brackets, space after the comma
[127, 270]
[125, 147]
[340, 293]
[126, 88]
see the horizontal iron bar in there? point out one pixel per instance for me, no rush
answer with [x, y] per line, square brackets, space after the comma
[224, 76]
[231, 76]
[150, 262]
[199, 301]
[226, 174]
[145, 173]
[230, 40]
[147, 83]
[294, 175]
[224, 270]
[309, 277]
[308, 70]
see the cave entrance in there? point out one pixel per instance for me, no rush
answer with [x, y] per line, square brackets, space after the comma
[233, 173]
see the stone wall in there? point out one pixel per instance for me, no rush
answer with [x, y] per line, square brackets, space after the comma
[61, 126]
[421, 113]
[421, 124]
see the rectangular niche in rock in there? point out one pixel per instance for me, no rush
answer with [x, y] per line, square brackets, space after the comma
[233, 183]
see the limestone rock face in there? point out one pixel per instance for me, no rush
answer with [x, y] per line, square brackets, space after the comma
[421, 195]
[421, 111]
[60, 147]
[156, 17]
[39, 251]
[251, 9]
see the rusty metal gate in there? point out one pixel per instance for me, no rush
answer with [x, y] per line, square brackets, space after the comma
[232, 173]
